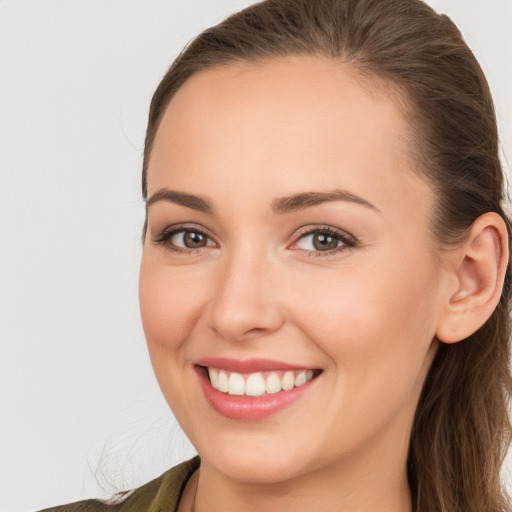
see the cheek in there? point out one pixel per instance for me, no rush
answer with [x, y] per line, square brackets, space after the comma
[373, 325]
[169, 307]
[376, 330]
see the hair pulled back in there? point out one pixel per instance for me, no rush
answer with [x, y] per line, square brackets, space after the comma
[462, 429]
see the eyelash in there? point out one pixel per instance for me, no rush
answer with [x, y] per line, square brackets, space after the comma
[164, 237]
[347, 240]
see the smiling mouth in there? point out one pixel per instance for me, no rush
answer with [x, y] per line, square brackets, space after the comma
[257, 384]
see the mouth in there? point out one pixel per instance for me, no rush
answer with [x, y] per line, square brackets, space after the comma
[256, 384]
[253, 390]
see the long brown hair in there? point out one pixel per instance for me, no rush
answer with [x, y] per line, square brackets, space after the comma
[462, 429]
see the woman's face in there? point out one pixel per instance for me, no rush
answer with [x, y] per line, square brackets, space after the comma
[288, 241]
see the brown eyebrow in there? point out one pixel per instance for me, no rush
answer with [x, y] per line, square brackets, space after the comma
[307, 199]
[190, 201]
[280, 206]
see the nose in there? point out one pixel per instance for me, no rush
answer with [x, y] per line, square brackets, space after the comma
[245, 301]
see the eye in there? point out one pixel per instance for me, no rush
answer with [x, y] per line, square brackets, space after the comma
[189, 239]
[184, 239]
[326, 240]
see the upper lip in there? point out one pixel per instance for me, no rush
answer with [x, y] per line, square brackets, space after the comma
[248, 365]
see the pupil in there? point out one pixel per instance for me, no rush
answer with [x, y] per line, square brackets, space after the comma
[325, 242]
[192, 240]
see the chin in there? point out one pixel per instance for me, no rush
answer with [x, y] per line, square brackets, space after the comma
[254, 459]
[257, 469]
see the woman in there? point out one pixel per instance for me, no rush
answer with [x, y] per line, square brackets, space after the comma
[325, 283]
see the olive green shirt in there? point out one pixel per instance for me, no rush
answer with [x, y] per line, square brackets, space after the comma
[160, 495]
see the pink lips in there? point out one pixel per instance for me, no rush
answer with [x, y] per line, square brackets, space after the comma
[243, 407]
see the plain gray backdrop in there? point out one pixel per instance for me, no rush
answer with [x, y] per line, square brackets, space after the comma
[81, 413]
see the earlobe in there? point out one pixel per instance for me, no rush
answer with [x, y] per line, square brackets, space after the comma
[481, 263]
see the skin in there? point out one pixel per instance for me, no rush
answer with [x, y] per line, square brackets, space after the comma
[366, 315]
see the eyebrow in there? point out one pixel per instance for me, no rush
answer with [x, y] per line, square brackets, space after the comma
[307, 199]
[190, 201]
[280, 206]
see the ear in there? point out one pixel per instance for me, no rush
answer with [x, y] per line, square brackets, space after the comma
[479, 266]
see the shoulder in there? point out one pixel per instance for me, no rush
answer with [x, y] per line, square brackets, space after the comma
[162, 493]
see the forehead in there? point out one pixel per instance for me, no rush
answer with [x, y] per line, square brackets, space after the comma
[290, 124]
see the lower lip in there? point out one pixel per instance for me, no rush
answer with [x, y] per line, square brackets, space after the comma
[249, 408]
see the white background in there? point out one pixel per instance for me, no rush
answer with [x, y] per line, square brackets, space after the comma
[81, 413]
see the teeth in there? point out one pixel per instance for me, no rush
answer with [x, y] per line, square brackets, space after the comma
[255, 384]
[236, 384]
[288, 381]
[300, 379]
[214, 377]
[223, 383]
[273, 384]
